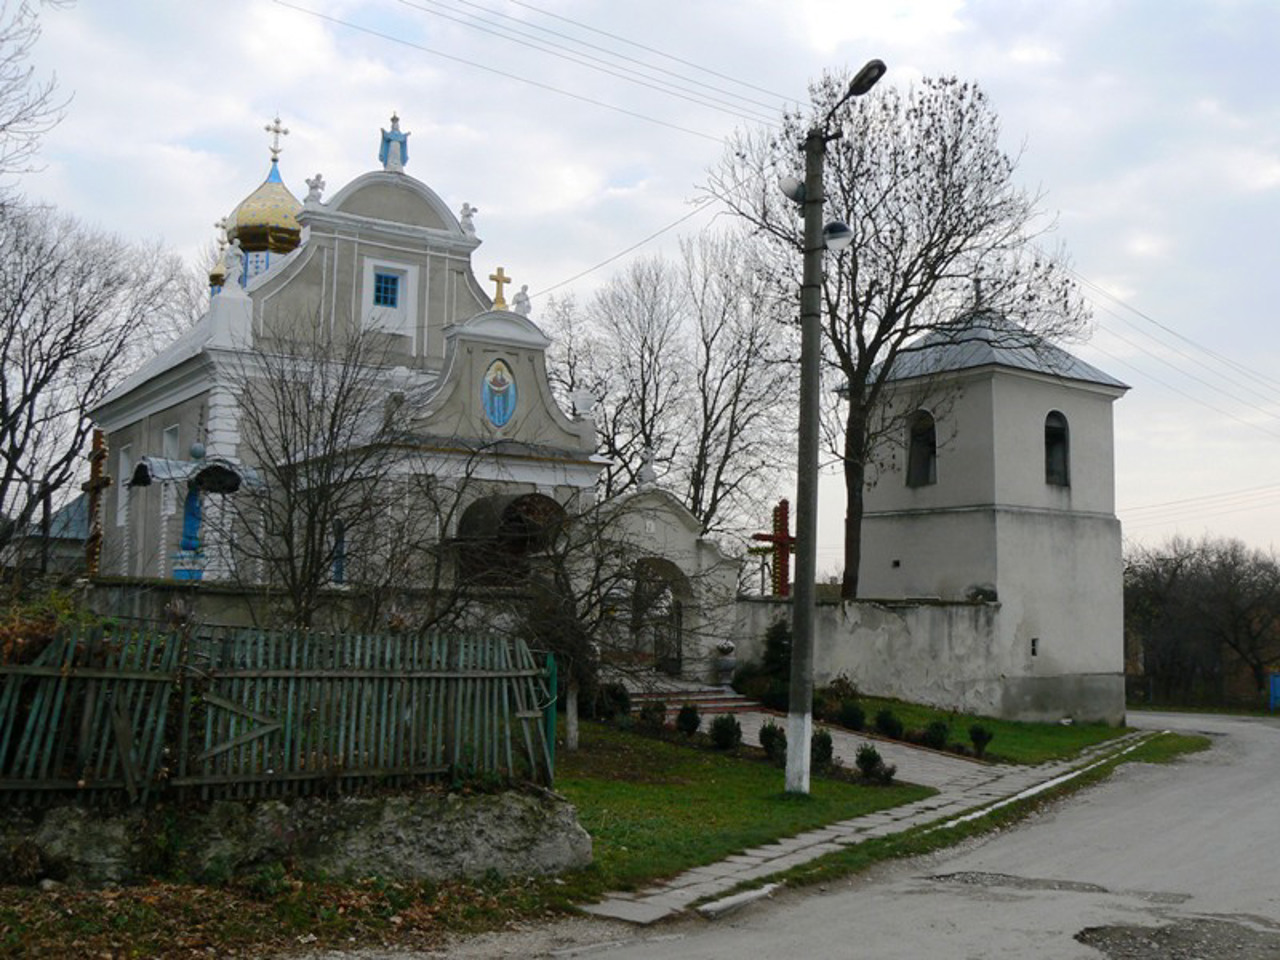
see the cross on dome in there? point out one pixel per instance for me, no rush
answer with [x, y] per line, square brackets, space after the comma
[276, 132]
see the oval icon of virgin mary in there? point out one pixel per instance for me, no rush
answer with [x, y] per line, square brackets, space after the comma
[499, 393]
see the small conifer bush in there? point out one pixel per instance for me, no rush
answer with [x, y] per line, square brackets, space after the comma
[851, 716]
[726, 732]
[935, 735]
[821, 750]
[774, 741]
[687, 720]
[888, 724]
[980, 736]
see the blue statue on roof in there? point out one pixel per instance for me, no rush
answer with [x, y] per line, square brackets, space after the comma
[394, 152]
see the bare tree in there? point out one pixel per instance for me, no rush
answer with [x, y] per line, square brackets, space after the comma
[29, 107]
[318, 422]
[691, 369]
[75, 305]
[1240, 604]
[921, 179]
[1194, 607]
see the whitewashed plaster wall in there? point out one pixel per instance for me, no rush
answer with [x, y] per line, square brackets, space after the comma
[950, 655]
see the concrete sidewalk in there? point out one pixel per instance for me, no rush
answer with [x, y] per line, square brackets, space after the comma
[963, 785]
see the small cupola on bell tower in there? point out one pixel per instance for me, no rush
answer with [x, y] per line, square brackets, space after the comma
[266, 221]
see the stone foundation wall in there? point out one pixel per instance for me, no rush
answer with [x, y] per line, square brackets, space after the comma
[412, 836]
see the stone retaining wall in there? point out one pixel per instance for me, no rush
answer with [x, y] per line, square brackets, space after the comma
[412, 836]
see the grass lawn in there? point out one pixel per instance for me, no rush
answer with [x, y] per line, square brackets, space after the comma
[655, 808]
[1013, 742]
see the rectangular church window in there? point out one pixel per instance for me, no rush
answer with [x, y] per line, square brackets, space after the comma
[386, 290]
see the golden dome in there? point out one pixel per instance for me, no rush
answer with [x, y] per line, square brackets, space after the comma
[267, 219]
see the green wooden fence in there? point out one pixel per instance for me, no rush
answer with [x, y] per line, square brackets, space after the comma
[250, 714]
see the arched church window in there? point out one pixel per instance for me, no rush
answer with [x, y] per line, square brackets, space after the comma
[922, 450]
[1057, 460]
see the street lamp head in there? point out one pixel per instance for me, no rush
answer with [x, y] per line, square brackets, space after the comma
[792, 188]
[836, 236]
[866, 78]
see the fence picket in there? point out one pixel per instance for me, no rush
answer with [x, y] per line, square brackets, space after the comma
[265, 713]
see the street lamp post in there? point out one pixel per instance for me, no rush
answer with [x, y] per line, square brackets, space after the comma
[817, 238]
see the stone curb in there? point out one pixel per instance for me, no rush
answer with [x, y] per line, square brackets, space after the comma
[718, 908]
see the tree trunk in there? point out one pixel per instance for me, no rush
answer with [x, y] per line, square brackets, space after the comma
[571, 714]
[855, 474]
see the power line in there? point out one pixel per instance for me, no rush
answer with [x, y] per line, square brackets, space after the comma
[494, 70]
[1183, 393]
[653, 50]
[622, 253]
[773, 107]
[1271, 487]
[585, 60]
[1227, 361]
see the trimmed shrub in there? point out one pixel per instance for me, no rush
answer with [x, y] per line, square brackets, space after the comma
[935, 735]
[872, 766]
[867, 760]
[888, 724]
[821, 750]
[774, 741]
[851, 716]
[726, 732]
[653, 716]
[980, 736]
[687, 720]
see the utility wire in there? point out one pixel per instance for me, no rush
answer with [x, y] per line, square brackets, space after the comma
[1266, 488]
[622, 253]
[653, 50]
[1191, 376]
[502, 73]
[1227, 361]
[599, 64]
[772, 107]
[1183, 393]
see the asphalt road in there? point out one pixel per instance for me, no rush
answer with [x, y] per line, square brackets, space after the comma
[1172, 861]
[1168, 862]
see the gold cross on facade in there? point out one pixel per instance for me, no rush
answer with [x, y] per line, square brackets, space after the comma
[275, 130]
[501, 279]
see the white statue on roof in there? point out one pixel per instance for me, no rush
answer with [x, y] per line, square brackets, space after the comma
[520, 302]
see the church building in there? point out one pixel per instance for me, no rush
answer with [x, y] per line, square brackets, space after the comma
[461, 400]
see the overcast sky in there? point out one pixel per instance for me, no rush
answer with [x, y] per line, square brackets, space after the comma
[1152, 127]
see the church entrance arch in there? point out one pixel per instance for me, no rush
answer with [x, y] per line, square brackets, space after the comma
[497, 535]
[660, 601]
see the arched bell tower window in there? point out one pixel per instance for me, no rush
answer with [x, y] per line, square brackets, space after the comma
[922, 450]
[1057, 459]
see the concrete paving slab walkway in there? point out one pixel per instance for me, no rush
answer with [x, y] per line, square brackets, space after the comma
[962, 784]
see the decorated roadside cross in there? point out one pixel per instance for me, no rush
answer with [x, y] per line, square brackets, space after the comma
[780, 543]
